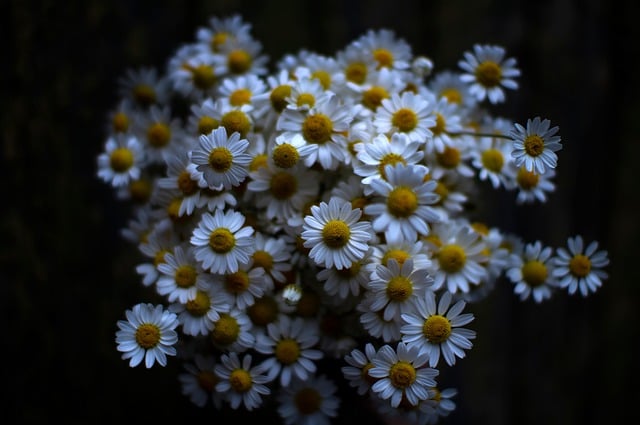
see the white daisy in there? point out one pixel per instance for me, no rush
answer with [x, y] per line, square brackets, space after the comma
[386, 48]
[244, 285]
[220, 161]
[402, 373]
[405, 212]
[245, 89]
[222, 241]
[310, 401]
[288, 345]
[488, 73]
[198, 314]
[195, 74]
[160, 133]
[580, 268]
[181, 275]
[286, 153]
[400, 251]
[144, 87]
[409, 113]
[158, 242]
[178, 178]
[221, 32]
[373, 321]
[448, 121]
[357, 371]
[273, 256]
[306, 92]
[492, 158]
[447, 84]
[437, 329]
[347, 281]
[335, 234]
[122, 160]
[241, 383]
[148, 334]
[536, 145]
[442, 404]
[198, 381]
[232, 332]
[531, 271]
[533, 186]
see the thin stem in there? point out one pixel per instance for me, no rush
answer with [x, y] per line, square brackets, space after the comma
[471, 133]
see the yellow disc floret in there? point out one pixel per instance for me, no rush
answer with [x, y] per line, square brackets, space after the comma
[283, 185]
[440, 125]
[226, 330]
[436, 329]
[121, 159]
[240, 97]
[262, 258]
[120, 122]
[372, 98]
[400, 255]
[384, 58]
[159, 134]
[336, 233]
[147, 335]
[186, 276]
[207, 124]
[278, 97]
[580, 265]
[389, 159]
[488, 73]
[239, 61]
[240, 380]
[534, 272]
[317, 128]
[356, 72]
[402, 374]
[533, 145]
[492, 160]
[527, 180]
[402, 202]
[399, 288]
[222, 240]
[203, 76]
[237, 283]
[452, 258]
[234, 121]
[449, 158]
[404, 119]
[199, 306]
[220, 159]
[285, 155]
[186, 185]
[287, 351]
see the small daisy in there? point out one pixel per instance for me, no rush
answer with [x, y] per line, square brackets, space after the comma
[149, 334]
[347, 281]
[447, 84]
[488, 73]
[402, 374]
[409, 113]
[144, 87]
[492, 159]
[201, 121]
[198, 381]
[532, 186]
[437, 329]
[531, 271]
[286, 153]
[535, 147]
[448, 121]
[221, 32]
[288, 345]
[335, 234]
[580, 268]
[273, 255]
[181, 275]
[179, 178]
[220, 160]
[378, 86]
[122, 161]
[442, 404]
[195, 74]
[244, 285]
[386, 48]
[404, 212]
[357, 371]
[240, 383]
[222, 241]
[400, 251]
[375, 323]
[160, 133]
[306, 92]
[311, 401]
[245, 89]
[159, 241]
[232, 332]
[197, 315]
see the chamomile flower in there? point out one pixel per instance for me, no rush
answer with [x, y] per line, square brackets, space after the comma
[488, 72]
[148, 334]
[579, 267]
[160, 132]
[159, 241]
[198, 381]
[373, 321]
[357, 370]
[232, 332]
[222, 241]
[400, 251]
[386, 48]
[531, 271]
[196, 74]
[447, 84]
[533, 187]
[220, 160]
[286, 153]
[181, 274]
[144, 87]
[241, 383]
[347, 281]
[404, 210]
[442, 403]
[179, 178]
[448, 121]
[492, 159]
[201, 120]
[198, 315]
[306, 92]
[122, 160]
[245, 89]
[244, 285]
[535, 146]
[409, 113]
[436, 329]
[289, 347]
[221, 32]
[311, 401]
[402, 373]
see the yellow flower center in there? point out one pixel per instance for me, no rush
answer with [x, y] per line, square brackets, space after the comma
[240, 97]
[240, 380]
[199, 306]
[144, 94]
[437, 396]
[121, 159]
[399, 255]
[442, 191]
[203, 76]
[440, 125]
[218, 40]
[173, 209]
[433, 239]
[207, 124]
[373, 97]
[287, 351]
[350, 272]
[533, 145]
[159, 134]
[580, 265]
[285, 155]
[480, 227]
[186, 185]
[404, 119]
[527, 180]
[488, 73]
[335, 233]
[356, 72]
[306, 99]
[492, 160]
[234, 121]
[147, 335]
[222, 240]
[307, 401]
[120, 122]
[263, 311]
[389, 159]
[225, 330]
[237, 282]
[140, 190]
[239, 61]
[402, 202]
[402, 374]
[279, 96]
[452, 95]
[436, 329]
[258, 162]
[220, 159]
[452, 258]
[283, 185]
[186, 276]
[399, 288]
[359, 202]
[263, 259]
[384, 58]
[207, 380]
[158, 258]
[534, 272]
[324, 77]
[317, 128]
[449, 158]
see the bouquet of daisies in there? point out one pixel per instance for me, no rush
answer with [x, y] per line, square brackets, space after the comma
[319, 210]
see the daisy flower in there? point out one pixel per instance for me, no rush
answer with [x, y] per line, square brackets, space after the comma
[245, 89]
[531, 271]
[148, 334]
[200, 120]
[488, 73]
[160, 133]
[241, 383]
[378, 86]
[447, 84]
[536, 145]
[442, 404]
[400, 251]
[221, 32]
[144, 87]
[492, 159]
[436, 329]
[181, 274]
[222, 241]
[409, 113]
[232, 332]
[273, 256]
[198, 314]
[373, 321]
[198, 381]
[402, 374]
[286, 153]
[195, 74]
[357, 371]
[122, 161]
[159, 241]
[178, 178]
[220, 160]
[306, 92]
[386, 48]
[532, 186]
[335, 234]
[448, 121]
[347, 281]
[311, 401]
[288, 345]
[244, 285]
[405, 212]
[580, 268]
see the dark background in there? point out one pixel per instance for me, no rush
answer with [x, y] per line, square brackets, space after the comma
[66, 276]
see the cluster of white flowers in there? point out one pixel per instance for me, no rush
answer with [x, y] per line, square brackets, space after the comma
[319, 210]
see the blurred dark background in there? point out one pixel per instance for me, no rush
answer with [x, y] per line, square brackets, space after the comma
[66, 276]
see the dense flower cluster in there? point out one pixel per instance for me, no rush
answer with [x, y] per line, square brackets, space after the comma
[319, 210]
